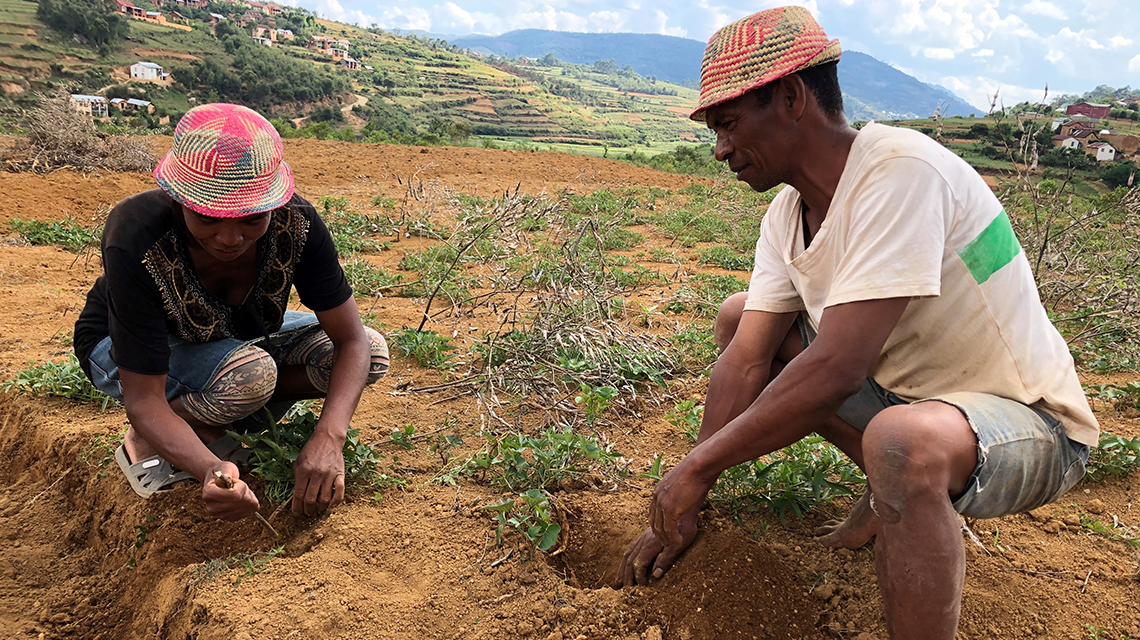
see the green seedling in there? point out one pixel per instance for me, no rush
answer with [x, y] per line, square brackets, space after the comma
[529, 514]
[62, 379]
[1113, 456]
[429, 349]
[67, 234]
[797, 479]
[275, 451]
[519, 462]
[726, 258]
[686, 416]
[250, 564]
[402, 436]
[595, 400]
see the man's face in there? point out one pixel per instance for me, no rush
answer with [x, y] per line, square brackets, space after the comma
[753, 140]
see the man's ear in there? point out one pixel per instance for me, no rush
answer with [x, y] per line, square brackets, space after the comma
[794, 98]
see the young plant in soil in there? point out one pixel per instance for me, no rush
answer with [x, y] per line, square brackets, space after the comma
[250, 564]
[429, 348]
[519, 462]
[799, 478]
[1113, 456]
[66, 233]
[62, 379]
[531, 514]
[276, 450]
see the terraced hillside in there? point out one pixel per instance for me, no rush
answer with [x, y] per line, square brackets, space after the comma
[429, 80]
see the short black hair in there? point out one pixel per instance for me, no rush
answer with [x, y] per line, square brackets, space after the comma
[822, 80]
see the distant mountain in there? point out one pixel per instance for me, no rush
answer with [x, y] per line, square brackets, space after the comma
[876, 90]
[871, 89]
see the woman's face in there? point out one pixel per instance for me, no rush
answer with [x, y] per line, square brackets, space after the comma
[226, 239]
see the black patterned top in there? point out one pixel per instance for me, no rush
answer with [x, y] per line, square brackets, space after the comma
[150, 291]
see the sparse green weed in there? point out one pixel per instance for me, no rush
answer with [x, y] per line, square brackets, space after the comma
[428, 348]
[686, 416]
[63, 379]
[66, 233]
[531, 515]
[1110, 531]
[276, 450]
[800, 477]
[1113, 456]
[519, 462]
[250, 564]
[368, 280]
[726, 258]
[595, 400]
[101, 452]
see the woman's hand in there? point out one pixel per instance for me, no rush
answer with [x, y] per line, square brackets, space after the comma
[319, 472]
[228, 503]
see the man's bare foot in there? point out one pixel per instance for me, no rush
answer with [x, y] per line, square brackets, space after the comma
[853, 532]
[137, 448]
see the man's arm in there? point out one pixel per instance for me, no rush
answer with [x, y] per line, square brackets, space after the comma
[810, 390]
[149, 413]
[742, 371]
[319, 469]
[737, 378]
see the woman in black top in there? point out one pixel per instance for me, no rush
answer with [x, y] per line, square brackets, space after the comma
[188, 326]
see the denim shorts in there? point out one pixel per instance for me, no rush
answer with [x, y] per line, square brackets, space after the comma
[193, 365]
[1025, 460]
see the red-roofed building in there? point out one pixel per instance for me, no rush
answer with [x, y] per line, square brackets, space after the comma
[1090, 109]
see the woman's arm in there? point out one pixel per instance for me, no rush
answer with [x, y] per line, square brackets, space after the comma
[176, 442]
[319, 470]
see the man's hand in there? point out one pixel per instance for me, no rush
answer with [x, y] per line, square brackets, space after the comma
[681, 491]
[319, 472]
[228, 504]
[647, 557]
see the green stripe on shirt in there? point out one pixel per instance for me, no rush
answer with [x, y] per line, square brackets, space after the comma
[995, 247]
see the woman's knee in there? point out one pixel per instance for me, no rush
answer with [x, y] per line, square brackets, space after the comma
[244, 383]
[378, 358]
[728, 319]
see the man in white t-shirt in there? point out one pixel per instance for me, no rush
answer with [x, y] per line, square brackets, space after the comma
[891, 310]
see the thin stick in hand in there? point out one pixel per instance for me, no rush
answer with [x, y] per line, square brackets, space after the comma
[226, 482]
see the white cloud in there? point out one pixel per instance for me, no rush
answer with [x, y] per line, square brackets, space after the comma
[979, 91]
[1119, 42]
[1134, 64]
[938, 54]
[983, 53]
[1045, 8]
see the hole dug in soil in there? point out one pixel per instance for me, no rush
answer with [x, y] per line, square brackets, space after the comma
[725, 586]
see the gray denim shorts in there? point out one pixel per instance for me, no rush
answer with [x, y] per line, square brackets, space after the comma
[1025, 460]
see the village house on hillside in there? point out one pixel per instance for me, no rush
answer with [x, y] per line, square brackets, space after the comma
[1082, 133]
[350, 63]
[94, 106]
[285, 34]
[263, 31]
[148, 71]
[1090, 109]
[126, 8]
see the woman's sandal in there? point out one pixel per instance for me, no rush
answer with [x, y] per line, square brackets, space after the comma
[154, 474]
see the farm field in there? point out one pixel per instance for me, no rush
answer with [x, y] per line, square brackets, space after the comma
[640, 259]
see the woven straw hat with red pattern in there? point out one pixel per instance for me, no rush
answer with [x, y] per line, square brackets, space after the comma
[225, 162]
[761, 48]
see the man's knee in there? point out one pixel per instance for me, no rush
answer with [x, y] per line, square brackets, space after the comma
[920, 449]
[728, 319]
[244, 383]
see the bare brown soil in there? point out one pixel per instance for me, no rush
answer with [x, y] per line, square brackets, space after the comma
[84, 558]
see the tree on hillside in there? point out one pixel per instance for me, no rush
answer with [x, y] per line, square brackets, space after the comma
[92, 20]
[1119, 173]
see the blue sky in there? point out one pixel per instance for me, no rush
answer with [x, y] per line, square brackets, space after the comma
[972, 47]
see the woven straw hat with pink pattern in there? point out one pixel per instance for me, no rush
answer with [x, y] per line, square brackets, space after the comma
[225, 162]
[761, 48]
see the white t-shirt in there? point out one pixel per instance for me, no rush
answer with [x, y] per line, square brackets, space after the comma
[911, 219]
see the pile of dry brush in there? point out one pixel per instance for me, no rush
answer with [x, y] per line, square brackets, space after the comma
[58, 137]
